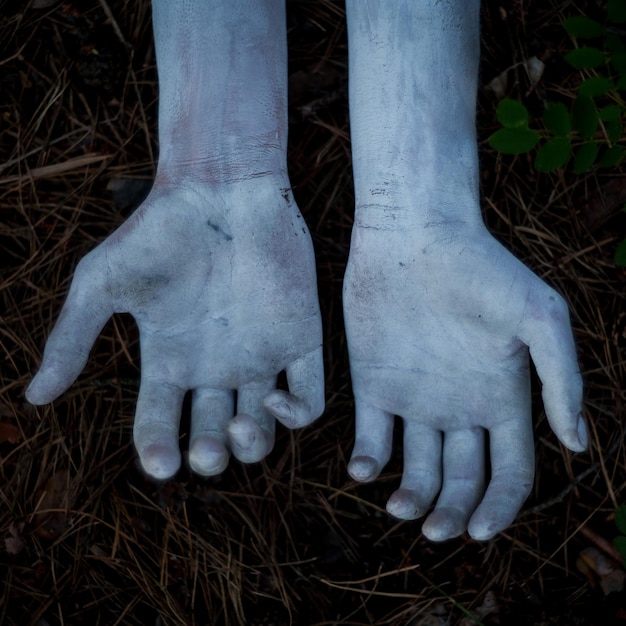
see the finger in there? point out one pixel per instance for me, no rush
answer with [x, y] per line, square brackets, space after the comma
[421, 476]
[85, 312]
[512, 472]
[372, 444]
[157, 420]
[463, 484]
[211, 410]
[548, 334]
[304, 402]
[251, 431]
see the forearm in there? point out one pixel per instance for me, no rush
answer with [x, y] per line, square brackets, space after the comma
[222, 69]
[413, 80]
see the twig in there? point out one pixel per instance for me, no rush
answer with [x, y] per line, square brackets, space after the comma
[47, 171]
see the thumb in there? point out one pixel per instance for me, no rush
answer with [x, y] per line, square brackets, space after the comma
[304, 402]
[548, 334]
[86, 310]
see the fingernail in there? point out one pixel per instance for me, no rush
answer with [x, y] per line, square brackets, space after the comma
[363, 468]
[240, 435]
[244, 447]
[282, 409]
[581, 429]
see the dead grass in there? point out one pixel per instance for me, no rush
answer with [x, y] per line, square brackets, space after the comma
[292, 540]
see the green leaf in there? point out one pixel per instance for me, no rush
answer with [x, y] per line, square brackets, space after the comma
[621, 84]
[512, 114]
[583, 27]
[616, 10]
[556, 119]
[614, 43]
[585, 58]
[584, 116]
[553, 154]
[620, 259]
[514, 140]
[611, 112]
[596, 86]
[611, 157]
[613, 130]
[619, 543]
[618, 61]
[585, 157]
[620, 511]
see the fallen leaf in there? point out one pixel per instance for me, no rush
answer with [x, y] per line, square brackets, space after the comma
[534, 69]
[499, 85]
[604, 202]
[489, 606]
[15, 544]
[600, 568]
[9, 432]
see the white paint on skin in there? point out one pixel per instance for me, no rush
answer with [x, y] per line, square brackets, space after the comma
[222, 89]
[216, 266]
[439, 316]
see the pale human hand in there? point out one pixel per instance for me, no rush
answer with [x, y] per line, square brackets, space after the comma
[221, 282]
[439, 322]
[439, 316]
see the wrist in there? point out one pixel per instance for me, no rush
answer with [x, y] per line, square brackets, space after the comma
[256, 167]
[264, 197]
[426, 206]
[384, 254]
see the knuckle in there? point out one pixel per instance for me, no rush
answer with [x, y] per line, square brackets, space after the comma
[91, 275]
[83, 268]
[548, 307]
[87, 267]
[557, 307]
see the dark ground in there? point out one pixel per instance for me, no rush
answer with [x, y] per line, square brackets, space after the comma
[88, 540]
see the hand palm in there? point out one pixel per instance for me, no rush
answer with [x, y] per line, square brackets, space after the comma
[222, 286]
[438, 334]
